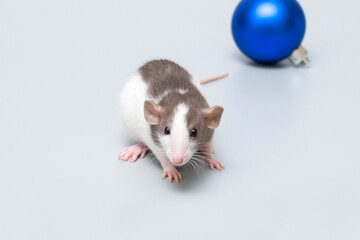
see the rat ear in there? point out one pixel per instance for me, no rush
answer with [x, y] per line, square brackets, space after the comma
[213, 116]
[152, 112]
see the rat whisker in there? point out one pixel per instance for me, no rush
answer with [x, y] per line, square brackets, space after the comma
[198, 155]
[198, 158]
[191, 164]
[208, 159]
[200, 163]
[197, 168]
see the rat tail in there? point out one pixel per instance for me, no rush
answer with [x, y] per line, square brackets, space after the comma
[210, 79]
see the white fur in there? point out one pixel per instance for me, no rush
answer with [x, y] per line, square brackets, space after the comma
[182, 91]
[158, 99]
[132, 99]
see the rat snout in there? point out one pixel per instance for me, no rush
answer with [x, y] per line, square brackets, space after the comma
[178, 159]
[177, 154]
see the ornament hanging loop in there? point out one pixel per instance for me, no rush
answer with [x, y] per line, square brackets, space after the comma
[299, 57]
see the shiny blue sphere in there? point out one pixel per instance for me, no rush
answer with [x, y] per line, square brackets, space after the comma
[268, 31]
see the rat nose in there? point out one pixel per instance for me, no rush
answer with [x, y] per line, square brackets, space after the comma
[178, 160]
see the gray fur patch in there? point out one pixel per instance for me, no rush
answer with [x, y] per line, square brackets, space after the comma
[164, 79]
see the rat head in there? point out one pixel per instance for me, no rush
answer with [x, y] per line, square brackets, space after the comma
[181, 130]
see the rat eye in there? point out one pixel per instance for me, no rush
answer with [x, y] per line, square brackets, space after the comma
[166, 131]
[193, 132]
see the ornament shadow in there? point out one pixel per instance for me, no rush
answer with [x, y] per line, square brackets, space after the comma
[240, 57]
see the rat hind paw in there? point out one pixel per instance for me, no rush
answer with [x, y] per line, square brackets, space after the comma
[132, 153]
[172, 174]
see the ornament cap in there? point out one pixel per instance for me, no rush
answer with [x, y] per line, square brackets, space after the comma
[299, 57]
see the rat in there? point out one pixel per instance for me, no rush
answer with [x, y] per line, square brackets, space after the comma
[164, 111]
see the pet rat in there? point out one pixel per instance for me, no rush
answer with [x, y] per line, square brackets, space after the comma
[163, 109]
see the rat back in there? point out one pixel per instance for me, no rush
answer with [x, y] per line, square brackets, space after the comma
[163, 77]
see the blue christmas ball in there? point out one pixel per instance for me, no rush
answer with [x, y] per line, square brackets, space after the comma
[268, 31]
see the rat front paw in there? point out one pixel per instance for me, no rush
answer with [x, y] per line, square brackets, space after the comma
[213, 162]
[132, 153]
[172, 174]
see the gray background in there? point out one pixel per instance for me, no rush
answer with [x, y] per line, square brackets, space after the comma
[289, 137]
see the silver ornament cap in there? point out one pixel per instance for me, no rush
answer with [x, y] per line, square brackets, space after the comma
[299, 57]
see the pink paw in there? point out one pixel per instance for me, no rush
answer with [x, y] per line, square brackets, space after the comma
[172, 174]
[214, 163]
[132, 153]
